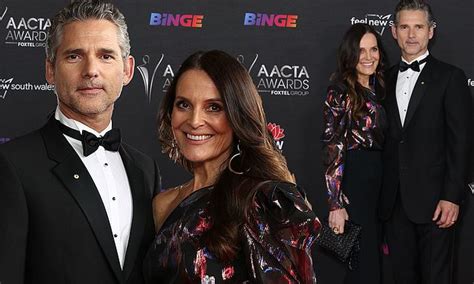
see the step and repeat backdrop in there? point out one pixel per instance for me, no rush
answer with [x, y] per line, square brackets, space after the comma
[288, 47]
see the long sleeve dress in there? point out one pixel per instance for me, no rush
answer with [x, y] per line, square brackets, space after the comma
[353, 162]
[275, 245]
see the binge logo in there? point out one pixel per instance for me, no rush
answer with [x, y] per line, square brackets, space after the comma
[278, 133]
[379, 22]
[176, 20]
[270, 20]
[25, 32]
[148, 73]
[4, 87]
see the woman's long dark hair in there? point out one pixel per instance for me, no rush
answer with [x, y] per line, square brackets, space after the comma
[260, 160]
[347, 60]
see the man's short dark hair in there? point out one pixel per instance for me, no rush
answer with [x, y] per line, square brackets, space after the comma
[416, 5]
[81, 10]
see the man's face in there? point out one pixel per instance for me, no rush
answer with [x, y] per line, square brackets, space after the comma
[89, 71]
[412, 33]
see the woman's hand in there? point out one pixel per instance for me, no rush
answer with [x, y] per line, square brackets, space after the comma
[337, 219]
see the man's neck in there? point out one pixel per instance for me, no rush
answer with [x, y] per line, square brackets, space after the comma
[409, 59]
[97, 122]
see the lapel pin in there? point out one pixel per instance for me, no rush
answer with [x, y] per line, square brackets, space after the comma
[76, 176]
[422, 82]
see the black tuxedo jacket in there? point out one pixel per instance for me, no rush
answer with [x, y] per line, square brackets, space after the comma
[427, 159]
[54, 227]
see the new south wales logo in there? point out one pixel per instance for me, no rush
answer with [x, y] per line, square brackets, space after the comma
[278, 133]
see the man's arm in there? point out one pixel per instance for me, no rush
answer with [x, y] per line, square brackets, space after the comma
[13, 224]
[458, 117]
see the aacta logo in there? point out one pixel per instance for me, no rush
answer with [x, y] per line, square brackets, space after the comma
[279, 80]
[278, 133]
[176, 20]
[148, 70]
[3, 12]
[379, 22]
[270, 20]
[25, 32]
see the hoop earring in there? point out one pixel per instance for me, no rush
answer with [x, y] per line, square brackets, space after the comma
[239, 153]
[174, 151]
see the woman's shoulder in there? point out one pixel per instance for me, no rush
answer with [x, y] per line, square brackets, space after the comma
[271, 187]
[163, 204]
[339, 87]
[282, 197]
[337, 94]
[284, 208]
[166, 196]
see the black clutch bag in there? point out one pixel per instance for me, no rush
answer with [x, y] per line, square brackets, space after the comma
[345, 246]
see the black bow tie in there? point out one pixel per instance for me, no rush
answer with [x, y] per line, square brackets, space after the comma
[90, 143]
[415, 65]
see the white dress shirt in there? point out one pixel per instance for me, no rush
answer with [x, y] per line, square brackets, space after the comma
[108, 173]
[405, 84]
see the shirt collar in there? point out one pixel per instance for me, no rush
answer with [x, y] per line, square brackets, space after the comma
[419, 58]
[74, 124]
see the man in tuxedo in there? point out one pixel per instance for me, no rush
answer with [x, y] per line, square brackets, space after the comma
[75, 201]
[428, 106]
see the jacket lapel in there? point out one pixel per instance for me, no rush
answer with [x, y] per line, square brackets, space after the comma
[137, 186]
[418, 91]
[73, 174]
[391, 99]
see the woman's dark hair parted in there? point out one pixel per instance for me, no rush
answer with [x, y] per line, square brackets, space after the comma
[347, 60]
[259, 160]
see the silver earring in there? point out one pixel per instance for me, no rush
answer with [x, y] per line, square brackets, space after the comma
[239, 153]
[174, 151]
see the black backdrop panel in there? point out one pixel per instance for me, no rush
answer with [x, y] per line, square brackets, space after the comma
[290, 57]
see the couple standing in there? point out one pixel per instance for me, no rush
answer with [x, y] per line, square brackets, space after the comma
[398, 143]
[76, 202]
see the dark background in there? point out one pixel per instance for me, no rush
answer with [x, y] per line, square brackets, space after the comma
[309, 48]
